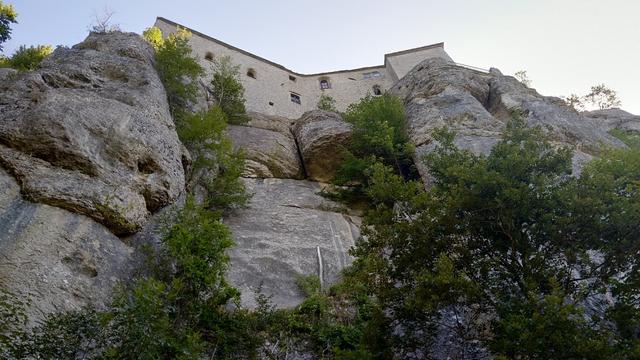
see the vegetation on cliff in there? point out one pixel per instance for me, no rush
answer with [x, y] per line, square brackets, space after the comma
[505, 253]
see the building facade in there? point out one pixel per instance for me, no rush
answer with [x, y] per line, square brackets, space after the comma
[272, 89]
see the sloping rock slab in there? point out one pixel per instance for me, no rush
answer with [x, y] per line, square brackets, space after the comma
[90, 132]
[59, 260]
[278, 236]
[615, 119]
[321, 136]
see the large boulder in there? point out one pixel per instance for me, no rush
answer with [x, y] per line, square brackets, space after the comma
[269, 147]
[288, 230]
[321, 137]
[90, 132]
[477, 106]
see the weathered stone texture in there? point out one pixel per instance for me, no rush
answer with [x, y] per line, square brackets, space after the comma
[270, 148]
[477, 106]
[90, 132]
[57, 259]
[277, 238]
[321, 137]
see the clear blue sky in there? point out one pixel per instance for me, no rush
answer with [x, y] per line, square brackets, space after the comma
[565, 45]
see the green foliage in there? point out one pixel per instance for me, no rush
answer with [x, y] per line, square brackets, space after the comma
[630, 138]
[153, 35]
[326, 103]
[378, 137]
[507, 237]
[216, 166]
[8, 16]
[13, 318]
[27, 58]
[227, 91]
[177, 67]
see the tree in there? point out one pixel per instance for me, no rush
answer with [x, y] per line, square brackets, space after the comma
[502, 243]
[602, 97]
[103, 22]
[227, 90]
[523, 77]
[216, 166]
[28, 58]
[326, 103]
[179, 70]
[575, 102]
[378, 136]
[8, 16]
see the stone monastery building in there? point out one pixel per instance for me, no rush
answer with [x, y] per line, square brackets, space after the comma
[272, 89]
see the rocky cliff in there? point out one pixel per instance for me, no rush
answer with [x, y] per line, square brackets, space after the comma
[89, 157]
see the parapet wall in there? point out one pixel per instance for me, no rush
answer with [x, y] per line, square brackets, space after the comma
[273, 89]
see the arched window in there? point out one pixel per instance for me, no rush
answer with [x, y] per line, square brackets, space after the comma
[208, 56]
[376, 90]
[252, 73]
[325, 84]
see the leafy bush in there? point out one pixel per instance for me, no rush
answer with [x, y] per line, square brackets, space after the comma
[178, 69]
[378, 137]
[216, 166]
[326, 103]
[8, 16]
[227, 90]
[506, 237]
[27, 58]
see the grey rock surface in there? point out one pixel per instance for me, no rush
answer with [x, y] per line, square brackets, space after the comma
[58, 259]
[269, 153]
[477, 106]
[615, 119]
[278, 235]
[90, 132]
[7, 73]
[321, 137]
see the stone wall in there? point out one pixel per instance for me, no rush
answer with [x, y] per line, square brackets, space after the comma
[270, 91]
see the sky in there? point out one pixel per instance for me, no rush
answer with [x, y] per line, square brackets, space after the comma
[566, 46]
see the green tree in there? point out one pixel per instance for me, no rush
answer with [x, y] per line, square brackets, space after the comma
[227, 90]
[178, 69]
[28, 58]
[326, 103]
[602, 97]
[378, 137]
[8, 16]
[216, 165]
[509, 237]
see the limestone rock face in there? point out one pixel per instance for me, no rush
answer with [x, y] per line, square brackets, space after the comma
[478, 105]
[90, 132]
[269, 146]
[615, 119]
[61, 260]
[278, 236]
[321, 136]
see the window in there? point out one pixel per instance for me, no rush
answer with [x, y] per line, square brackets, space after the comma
[376, 90]
[208, 56]
[371, 75]
[325, 84]
[295, 98]
[270, 103]
[292, 78]
[251, 73]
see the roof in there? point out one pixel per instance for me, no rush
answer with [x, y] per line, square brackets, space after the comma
[231, 47]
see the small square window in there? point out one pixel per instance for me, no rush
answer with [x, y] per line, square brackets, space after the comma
[325, 84]
[292, 78]
[295, 98]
